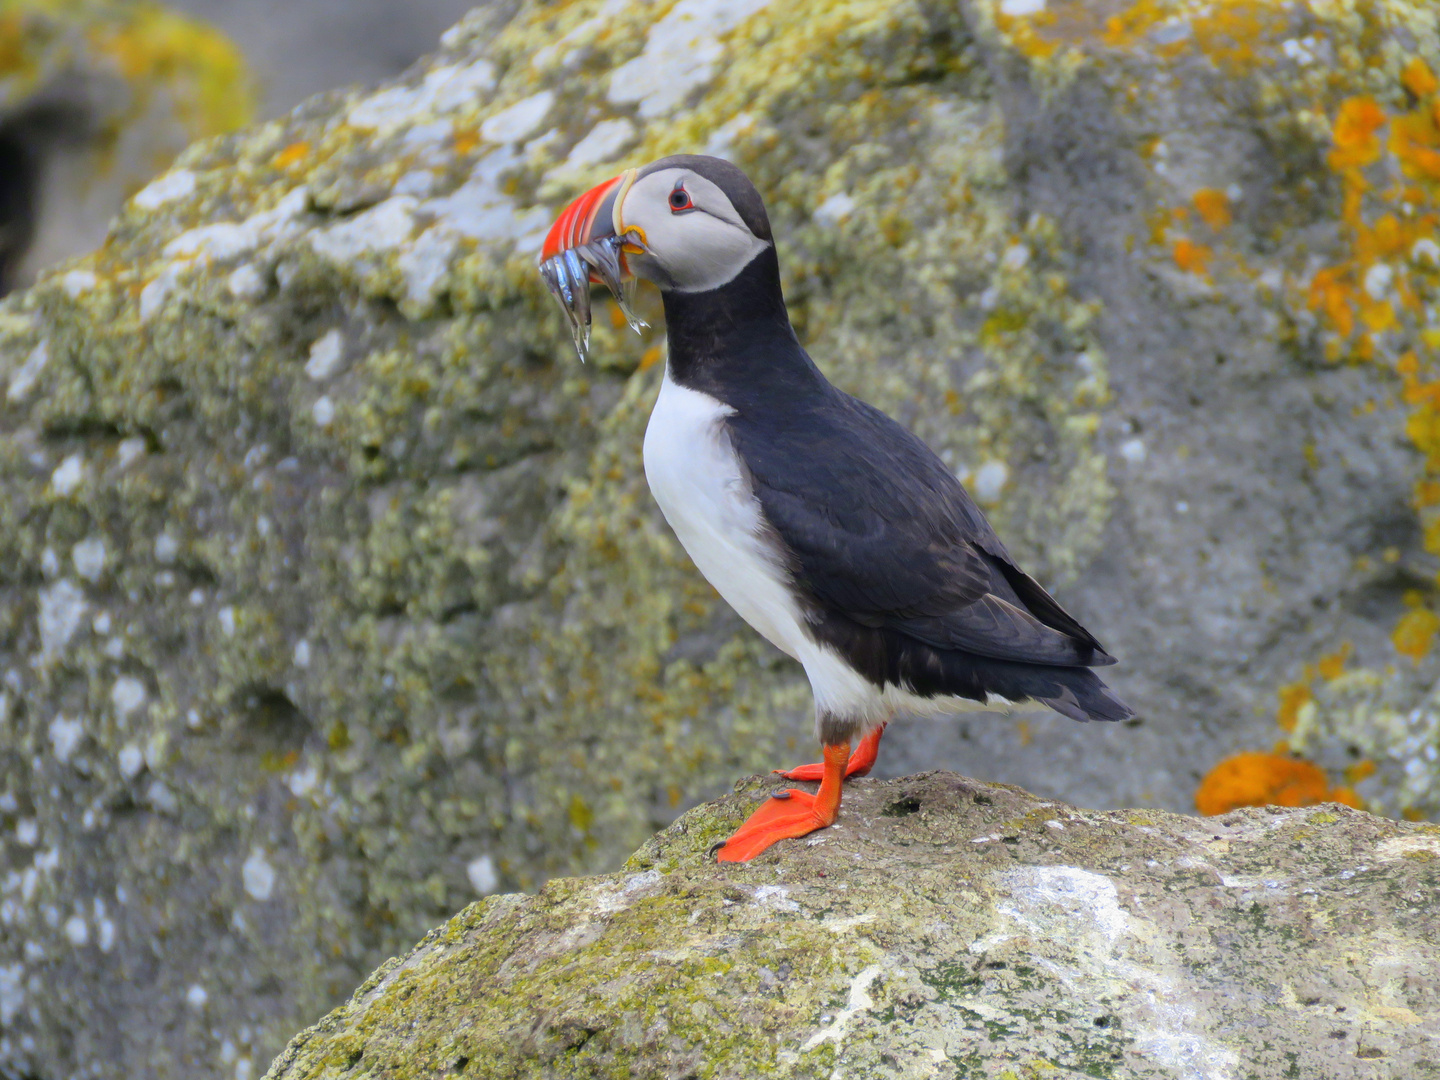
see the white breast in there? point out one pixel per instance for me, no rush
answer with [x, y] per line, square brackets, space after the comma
[696, 478]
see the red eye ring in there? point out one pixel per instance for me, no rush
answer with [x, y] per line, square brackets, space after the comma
[680, 200]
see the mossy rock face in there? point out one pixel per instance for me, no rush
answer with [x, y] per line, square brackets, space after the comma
[944, 928]
[330, 591]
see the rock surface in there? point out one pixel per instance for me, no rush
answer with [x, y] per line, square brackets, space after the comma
[946, 928]
[330, 591]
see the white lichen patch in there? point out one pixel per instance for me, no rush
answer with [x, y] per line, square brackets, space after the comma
[129, 451]
[25, 376]
[157, 290]
[988, 482]
[223, 241]
[257, 876]
[65, 737]
[88, 556]
[444, 89]
[858, 1001]
[775, 896]
[131, 760]
[681, 54]
[68, 475]
[127, 695]
[520, 120]
[245, 283]
[482, 875]
[480, 210]
[604, 142]
[12, 992]
[326, 353]
[62, 609]
[166, 548]
[384, 227]
[302, 782]
[77, 283]
[425, 265]
[164, 189]
[835, 209]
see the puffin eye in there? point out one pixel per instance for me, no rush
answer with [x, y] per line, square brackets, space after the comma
[680, 200]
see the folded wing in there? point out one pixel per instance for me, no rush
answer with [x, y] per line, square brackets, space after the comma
[877, 528]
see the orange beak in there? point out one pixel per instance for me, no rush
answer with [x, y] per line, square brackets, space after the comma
[575, 227]
[587, 244]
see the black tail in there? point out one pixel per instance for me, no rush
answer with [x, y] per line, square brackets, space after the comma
[1082, 696]
[1075, 692]
[884, 655]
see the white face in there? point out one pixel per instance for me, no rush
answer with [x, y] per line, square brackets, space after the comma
[694, 240]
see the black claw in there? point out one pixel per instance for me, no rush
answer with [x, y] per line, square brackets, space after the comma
[780, 794]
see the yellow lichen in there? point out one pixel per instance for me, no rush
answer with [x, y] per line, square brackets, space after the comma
[202, 75]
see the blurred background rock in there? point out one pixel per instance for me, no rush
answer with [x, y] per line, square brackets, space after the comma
[297, 49]
[96, 96]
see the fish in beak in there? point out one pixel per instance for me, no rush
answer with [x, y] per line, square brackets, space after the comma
[588, 243]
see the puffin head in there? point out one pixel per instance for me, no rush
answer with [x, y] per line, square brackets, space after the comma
[688, 223]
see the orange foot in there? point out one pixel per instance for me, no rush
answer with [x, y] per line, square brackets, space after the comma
[860, 764]
[790, 813]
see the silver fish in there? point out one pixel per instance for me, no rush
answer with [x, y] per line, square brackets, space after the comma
[568, 277]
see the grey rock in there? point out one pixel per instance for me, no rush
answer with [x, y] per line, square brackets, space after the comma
[945, 928]
[300, 49]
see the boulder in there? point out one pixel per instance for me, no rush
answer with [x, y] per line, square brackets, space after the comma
[331, 595]
[945, 927]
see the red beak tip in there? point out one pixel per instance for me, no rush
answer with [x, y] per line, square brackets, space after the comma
[576, 222]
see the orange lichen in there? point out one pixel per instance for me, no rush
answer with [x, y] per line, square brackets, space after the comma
[1361, 770]
[1293, 698]
[466, 140]
[1254, 779]
[1418, 78]
[1332, 665]
[1213, 205]
[1357, 134]
[293, 154]
[1415, 633]
[1191, 257]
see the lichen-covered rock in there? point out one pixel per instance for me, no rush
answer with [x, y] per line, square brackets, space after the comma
[330, 592]
[945, 928]
[95, 95]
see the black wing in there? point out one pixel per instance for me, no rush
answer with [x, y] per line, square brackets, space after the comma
[880, 530]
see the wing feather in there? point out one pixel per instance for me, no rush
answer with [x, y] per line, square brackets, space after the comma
[877, 528]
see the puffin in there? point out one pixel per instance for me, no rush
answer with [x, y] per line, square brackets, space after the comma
[832, 530]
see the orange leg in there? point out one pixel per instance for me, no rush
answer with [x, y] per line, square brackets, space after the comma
[790, 813]
[860, 764]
